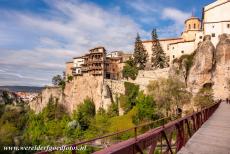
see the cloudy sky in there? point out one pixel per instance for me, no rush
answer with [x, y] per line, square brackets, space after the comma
[38, 36]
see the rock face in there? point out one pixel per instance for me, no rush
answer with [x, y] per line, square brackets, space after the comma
[81, 88]
[201, 70]
[221, 73]
[42, 99]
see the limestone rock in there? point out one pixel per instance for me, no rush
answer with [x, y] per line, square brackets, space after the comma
[201, 70]
[222, 67]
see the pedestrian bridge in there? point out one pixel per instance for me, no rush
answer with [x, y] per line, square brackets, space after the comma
[203, 132]
[214, 135]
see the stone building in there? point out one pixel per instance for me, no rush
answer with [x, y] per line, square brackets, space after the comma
[94, 62]
[215, 21]
[98, 63]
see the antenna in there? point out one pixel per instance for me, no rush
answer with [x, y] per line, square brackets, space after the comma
[193, 12]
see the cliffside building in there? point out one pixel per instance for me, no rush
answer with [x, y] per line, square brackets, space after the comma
[98, 63]
[215, 21]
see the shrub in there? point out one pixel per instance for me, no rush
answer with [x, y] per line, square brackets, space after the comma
[146, 109]
[128, 100]
[85, 112]
[204, 97]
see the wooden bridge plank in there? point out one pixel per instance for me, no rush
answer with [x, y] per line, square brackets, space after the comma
[214, 135]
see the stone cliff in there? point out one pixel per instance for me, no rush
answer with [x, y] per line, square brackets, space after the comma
[206, 65]
[221, 74]
[209, 65]
[201, 70]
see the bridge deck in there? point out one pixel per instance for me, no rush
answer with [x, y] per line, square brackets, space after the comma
[214, 135]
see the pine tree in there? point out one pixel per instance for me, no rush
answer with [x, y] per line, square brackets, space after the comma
[140, 54]
[159, 59]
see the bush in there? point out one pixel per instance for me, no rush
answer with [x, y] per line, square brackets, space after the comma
[113, 110]
[128, 100]
[146, 109]
[7, 132]
[204, 97]
[85, 112]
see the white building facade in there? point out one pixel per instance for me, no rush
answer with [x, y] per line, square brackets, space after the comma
[77, 65]
[216, 19]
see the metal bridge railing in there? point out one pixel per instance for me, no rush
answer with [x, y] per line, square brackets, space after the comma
[165, 135]
[168, 138]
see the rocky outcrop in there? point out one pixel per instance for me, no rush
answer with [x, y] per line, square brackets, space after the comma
[81, 88]
[221, 74]
[203, 63]
[42, 99]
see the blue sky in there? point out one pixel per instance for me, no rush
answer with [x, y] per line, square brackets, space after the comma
[38, 36]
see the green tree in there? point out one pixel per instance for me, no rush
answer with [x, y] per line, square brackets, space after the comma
[159, 59]
[169, 94]
[130, 70]
[85, 112]
[140, 54]
[146, 109]
[58, 80]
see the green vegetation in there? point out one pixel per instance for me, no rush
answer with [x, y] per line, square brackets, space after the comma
[204, 97]
[140, 54]
[185, 63]
[53, 126]
[58, 80]
[128, 100]
[146, 109]
[130, 70]
[168, 94]
[159, 59]
[12, 122]
[69, 78]
[85, 112]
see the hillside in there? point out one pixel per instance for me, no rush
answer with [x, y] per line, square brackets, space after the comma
[21, 88]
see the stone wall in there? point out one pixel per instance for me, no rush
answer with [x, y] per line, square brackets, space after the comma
[116, 86]
[144, 77]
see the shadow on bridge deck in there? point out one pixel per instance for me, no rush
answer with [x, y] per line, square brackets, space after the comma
[214, 135]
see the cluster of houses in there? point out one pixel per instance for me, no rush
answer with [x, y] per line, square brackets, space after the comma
[98, 63]
[215, 21]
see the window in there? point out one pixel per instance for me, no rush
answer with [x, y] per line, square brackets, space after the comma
[201, 37]
[189, 26]
[194, 26]
[182, 51]
[172, 47]
[228, 25]
[213, 34]
[173, 56]
[213, 26]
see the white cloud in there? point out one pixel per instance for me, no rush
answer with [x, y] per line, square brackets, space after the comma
[176, 15]
[46, 41]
